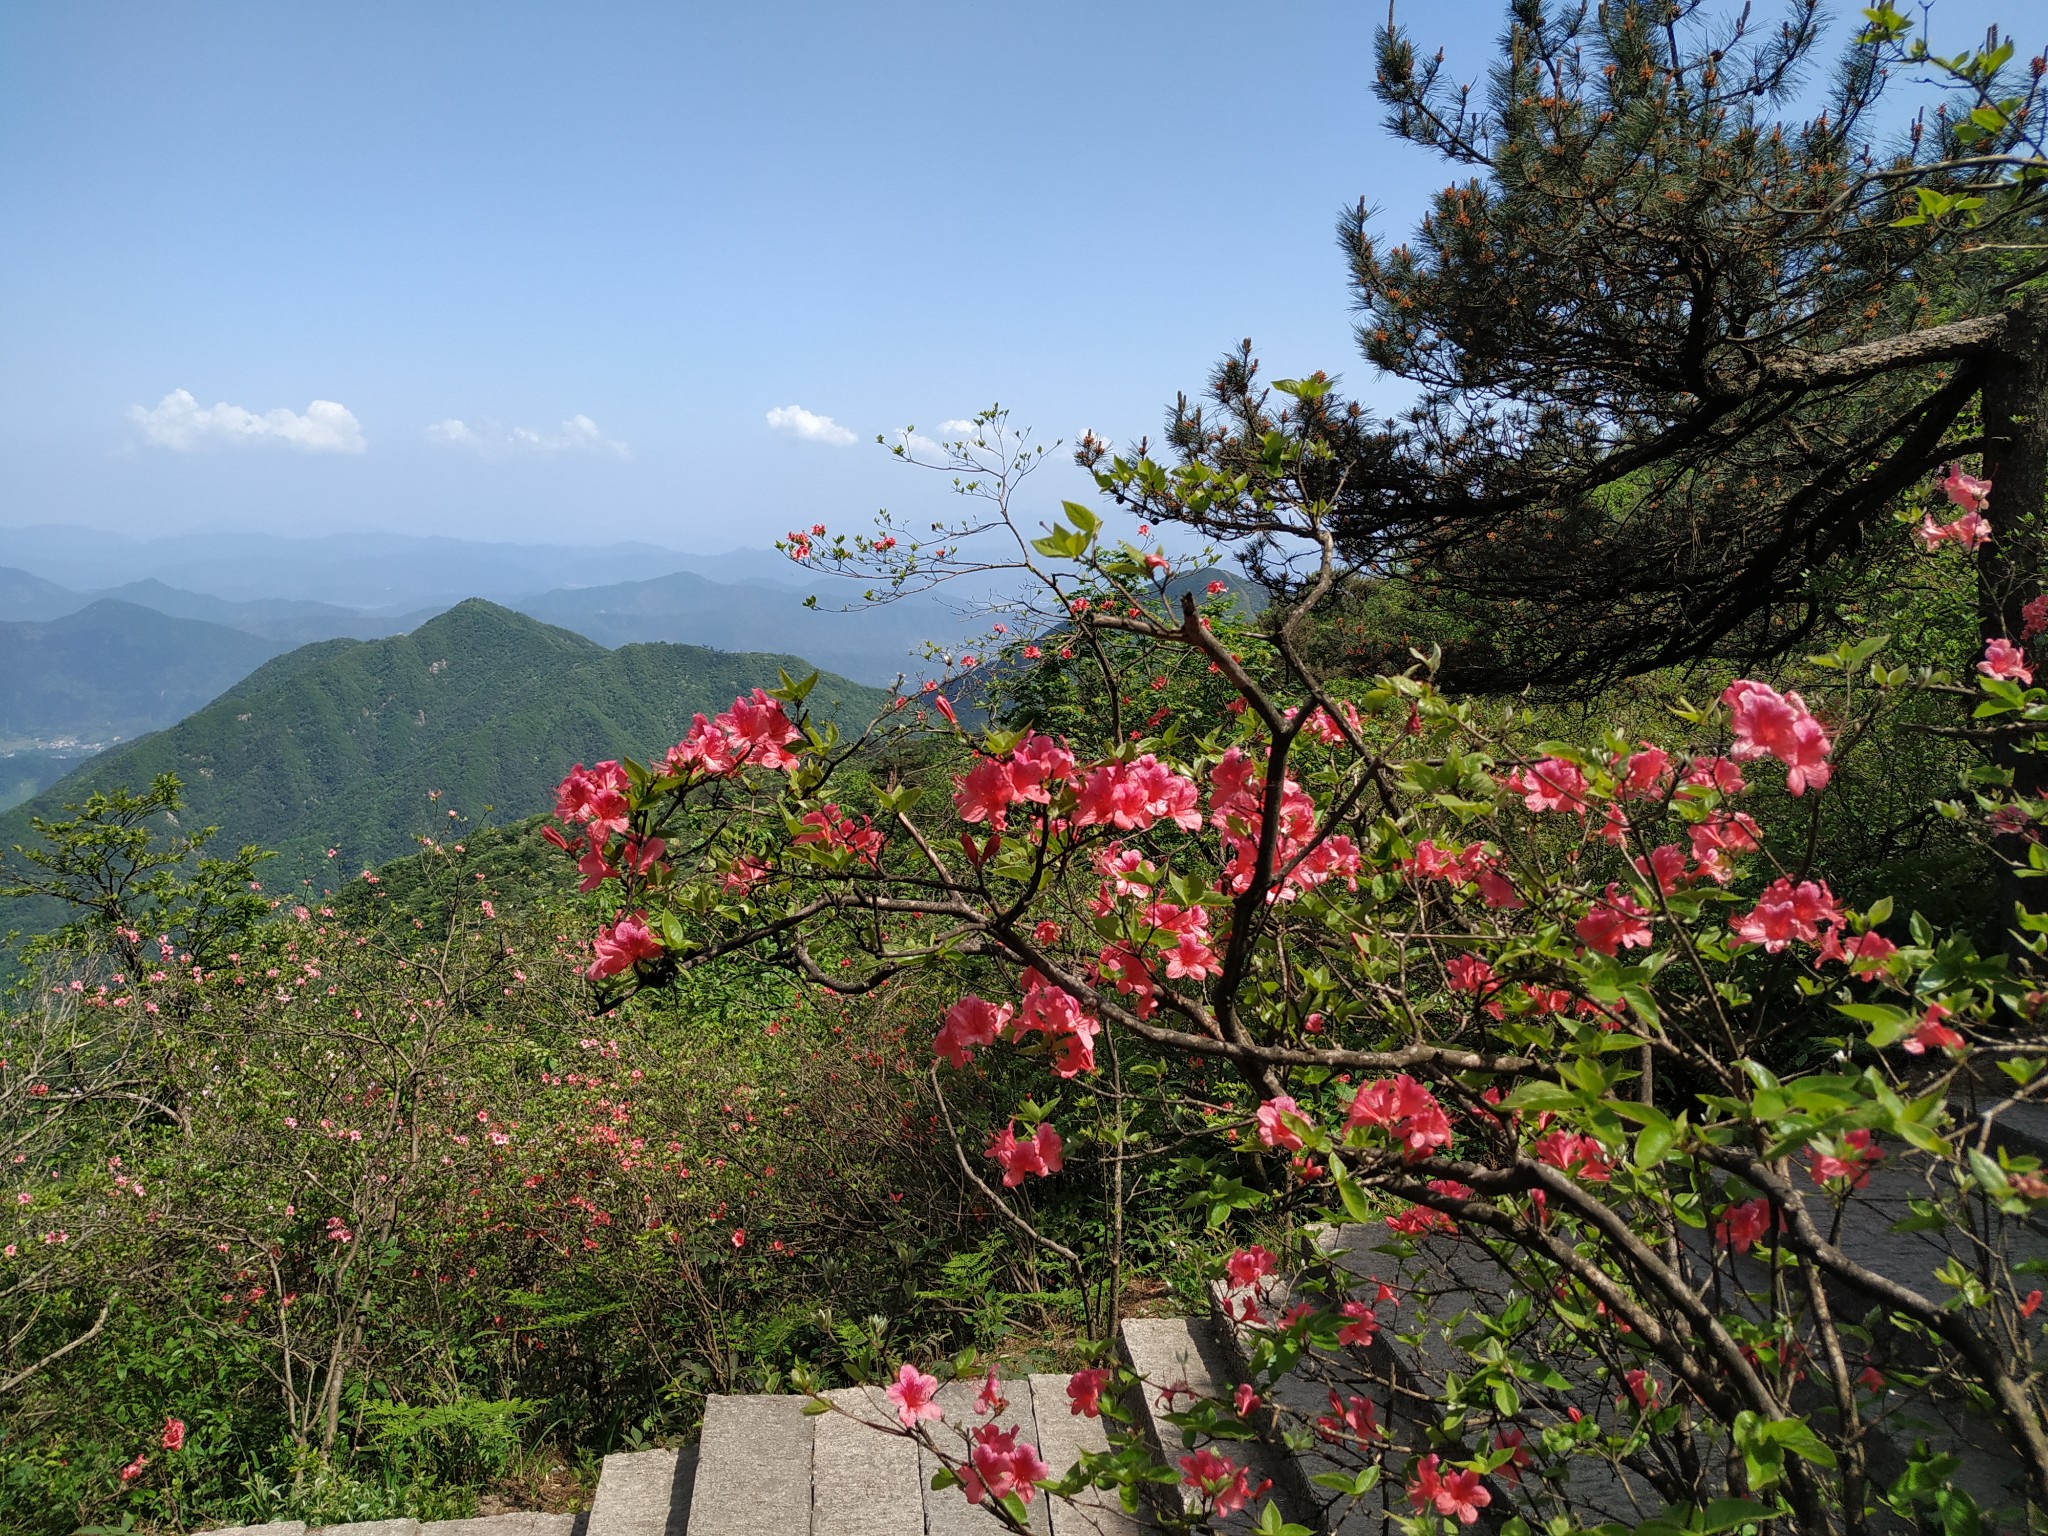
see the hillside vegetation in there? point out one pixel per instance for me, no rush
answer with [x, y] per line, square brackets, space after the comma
[113, 669]
[339, 744]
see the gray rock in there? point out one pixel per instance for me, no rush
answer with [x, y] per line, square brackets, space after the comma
[641, 1493]
[274, 1528]
[400, 1527]
[753, 1470]
[520, 1523]
[946, 1510]
[864, 1482]
[1062, 1436]
[1183, 1358]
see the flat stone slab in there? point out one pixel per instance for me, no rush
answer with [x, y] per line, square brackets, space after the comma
[864, 1481]
[946, 1510]
[753, 1470]
[521, 1523]
[1193, 1356]
[641, 1493]
[1062, 1436]
[400, 1527]
[274, 1528]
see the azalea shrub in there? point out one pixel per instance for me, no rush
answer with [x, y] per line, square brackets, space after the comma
[1490, 1062]
[357, 1210]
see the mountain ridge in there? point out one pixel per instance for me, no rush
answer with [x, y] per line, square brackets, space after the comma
[341, 744]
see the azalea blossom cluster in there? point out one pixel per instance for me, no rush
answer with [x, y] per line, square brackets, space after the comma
[1047, 1010]
[1967, 531]
[1304, 858]
[999, 1463]
[1039, 1154]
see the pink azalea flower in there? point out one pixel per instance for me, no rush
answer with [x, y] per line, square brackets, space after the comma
[1742, 1224]
[971, 1023]
[1856, 1153]
[1665, 865]
[1571, 1152]
[595, 795]
[174, 1434]
[914, 1395]
[1448, 1493]
[1406, 1108]
[2006, 661]
[1966, 491]
[1040, 1154]
[1353, 1419]
[622, 945]
[1787, 912]
[1645, 773]
[2034, 618]
[1247, 1267]
[999, 1466]
[1275, 1131]
[759, 732]
[1551, 785]
[1468, 973]
[1933, 1032]
[990, 1400]
[1767, 722]
[134, 1469]
[1513, 1440]
[984, 793]
[1360, 1324]
[1617, 921]
[1222, 1482]
[1084, 1392]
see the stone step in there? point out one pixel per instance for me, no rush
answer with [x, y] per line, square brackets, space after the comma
[1062, 1436]
[642, 1493]
[523, 1523]
[946, 1510]
[1192, 1355]
[864, 1482]
[398, 1527]
[753, 1469]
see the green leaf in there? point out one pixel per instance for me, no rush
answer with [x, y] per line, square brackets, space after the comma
[1655, 1142]
[1081, 517]
[1886, 1023]
[1354, 1200]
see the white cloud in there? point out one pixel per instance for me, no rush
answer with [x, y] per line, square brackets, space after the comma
[961, 429]
[180, 423]
[795, 421]
[579, 434]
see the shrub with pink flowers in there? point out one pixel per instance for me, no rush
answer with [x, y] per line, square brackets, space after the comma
[1581, 1018]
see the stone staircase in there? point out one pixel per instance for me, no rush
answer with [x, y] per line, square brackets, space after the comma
[763, 1467]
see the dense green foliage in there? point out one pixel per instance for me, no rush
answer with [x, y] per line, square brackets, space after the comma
[340, 744]
[560, 1231]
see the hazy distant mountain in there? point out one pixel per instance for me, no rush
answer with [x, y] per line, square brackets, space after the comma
[387, 572]
[27, 596]
[115, 670]
[292, 621]
[873, 644]
[338, 744]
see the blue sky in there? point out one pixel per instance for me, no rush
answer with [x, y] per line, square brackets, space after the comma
[553, 266]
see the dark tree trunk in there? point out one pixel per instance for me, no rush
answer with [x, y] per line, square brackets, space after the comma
[2015, 409]
[2016, 463]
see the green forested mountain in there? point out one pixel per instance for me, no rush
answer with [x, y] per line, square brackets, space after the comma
[338, 744]
[113, 669]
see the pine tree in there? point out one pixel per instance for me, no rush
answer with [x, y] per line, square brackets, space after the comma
[1681, 364]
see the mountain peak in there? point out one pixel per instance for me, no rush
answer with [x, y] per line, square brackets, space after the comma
[477, 621]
